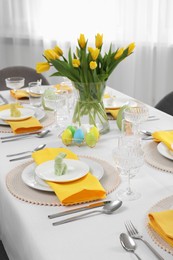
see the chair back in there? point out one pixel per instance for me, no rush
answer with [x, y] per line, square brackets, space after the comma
[28, 73]
[166, 104]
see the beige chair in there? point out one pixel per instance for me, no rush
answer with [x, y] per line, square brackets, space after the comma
[166, 104]
[28, 73]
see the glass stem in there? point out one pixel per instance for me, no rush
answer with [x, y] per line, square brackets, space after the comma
[129, 191]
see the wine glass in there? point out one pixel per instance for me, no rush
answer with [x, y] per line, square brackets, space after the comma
[133, 117]
[15, 83]
[128, 156]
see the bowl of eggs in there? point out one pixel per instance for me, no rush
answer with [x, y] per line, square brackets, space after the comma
[80, 136]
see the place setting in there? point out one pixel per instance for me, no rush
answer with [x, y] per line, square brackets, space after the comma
[35, 181]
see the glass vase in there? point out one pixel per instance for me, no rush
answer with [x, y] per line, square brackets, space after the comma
[89, 108]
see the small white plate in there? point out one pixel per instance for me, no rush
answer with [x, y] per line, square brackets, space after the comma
[29, 177]
[25, 113]
[117, 102]
[76, 169]
[163, 150]
[38, 113]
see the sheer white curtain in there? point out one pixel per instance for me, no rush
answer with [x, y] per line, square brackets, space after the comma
[27, 27]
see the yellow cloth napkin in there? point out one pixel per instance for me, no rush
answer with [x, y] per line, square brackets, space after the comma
[85, 189]
[113, 112]
[63, 87]
[161, 222]
[164, 136]
[18, 94]
[23, 126]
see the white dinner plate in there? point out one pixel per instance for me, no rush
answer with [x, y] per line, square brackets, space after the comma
[117, 102]
[25, 113]
[163, 150]
[29, 177]
[76, 169]
[38, 113]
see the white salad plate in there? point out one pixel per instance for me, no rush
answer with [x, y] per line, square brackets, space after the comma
[117, 102]
[32, 180]
[38, 113]
[25, 113]
[76, 169]
[163, 150]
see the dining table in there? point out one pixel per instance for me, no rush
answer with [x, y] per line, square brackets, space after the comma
[28, 234]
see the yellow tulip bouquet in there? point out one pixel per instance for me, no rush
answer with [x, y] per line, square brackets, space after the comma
[88, 70]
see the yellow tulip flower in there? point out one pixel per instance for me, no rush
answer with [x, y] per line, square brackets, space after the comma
[58, 50]
[42, 67]
[76, 63]
[98, 40]
[51, 55]
[93, 65]
[119, 53]
[82, 41]
[94, 52]
[131, 47]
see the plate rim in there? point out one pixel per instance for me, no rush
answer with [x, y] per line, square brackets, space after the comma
[165, 153]
[17, 118]
[60, 179]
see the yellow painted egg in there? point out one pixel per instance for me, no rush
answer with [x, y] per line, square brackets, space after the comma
[66, 137]
[95, 131]
[90, 139]
[72, 129]
[79, 136]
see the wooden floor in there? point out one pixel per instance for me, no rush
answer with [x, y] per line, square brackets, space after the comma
[3, 255]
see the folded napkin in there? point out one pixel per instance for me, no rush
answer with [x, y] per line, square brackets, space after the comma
[18, 94]
[23, 126]
[161, 222]
[113, 112]
[63, 87]
[164, 136]
[86, 189]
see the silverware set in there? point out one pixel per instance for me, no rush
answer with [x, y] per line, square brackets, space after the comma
[39, 134]
[108, 208]
[128, 243]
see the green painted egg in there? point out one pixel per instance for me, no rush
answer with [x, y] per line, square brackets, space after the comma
[90, 139]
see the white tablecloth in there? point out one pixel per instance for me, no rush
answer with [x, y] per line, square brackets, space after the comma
[28, 234]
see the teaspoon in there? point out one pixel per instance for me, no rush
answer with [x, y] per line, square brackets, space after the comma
[128, 244]
[36, 149]
[107, 209]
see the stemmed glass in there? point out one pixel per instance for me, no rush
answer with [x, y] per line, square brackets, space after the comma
[15, 83]
[133, 117]
[128, 156]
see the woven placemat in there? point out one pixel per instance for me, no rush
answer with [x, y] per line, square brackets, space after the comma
[165, 204]
[154, 158]
[20, 190]
[46, 121]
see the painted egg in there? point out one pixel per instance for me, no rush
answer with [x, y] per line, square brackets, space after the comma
[90, 139]
[72, 129]
[79, 136]
[66, 137]
[95, 131]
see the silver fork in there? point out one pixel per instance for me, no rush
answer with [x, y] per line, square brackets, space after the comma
[133, 232]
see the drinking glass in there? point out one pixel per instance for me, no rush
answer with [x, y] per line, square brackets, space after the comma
[133, 117]
[15, 83]
[128, 156]
[35, 93]
[59, 104]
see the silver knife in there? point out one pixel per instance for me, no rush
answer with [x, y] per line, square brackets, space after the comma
[19, 135]
[20, 158]
[91, 206]
[4, 99]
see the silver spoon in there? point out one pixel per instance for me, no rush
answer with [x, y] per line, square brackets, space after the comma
[39, 135]
[107, 209]
[36, 149]
[128, 244]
